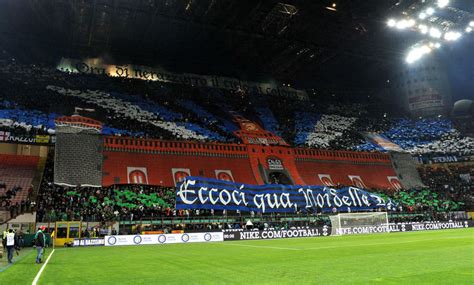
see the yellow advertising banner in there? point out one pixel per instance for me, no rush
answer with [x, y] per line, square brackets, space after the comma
[42, 139]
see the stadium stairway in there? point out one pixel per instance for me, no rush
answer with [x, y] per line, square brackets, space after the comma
[36, 181]
[4, 216]
[23, 171]
[18, 170]
[23, 218]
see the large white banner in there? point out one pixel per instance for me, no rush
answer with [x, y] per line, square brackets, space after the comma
[429, 99]
[98, 66]
[163, 238]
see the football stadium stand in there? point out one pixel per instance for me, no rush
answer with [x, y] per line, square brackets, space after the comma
[236, 142]
[180, 112]
[146, 137]
[16, 177]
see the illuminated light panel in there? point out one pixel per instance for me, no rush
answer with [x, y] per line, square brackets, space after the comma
[452, 36]
[391, 23]
[435, 33]
[443, 3]
[417, 53]
[423, 28]
[403, 24]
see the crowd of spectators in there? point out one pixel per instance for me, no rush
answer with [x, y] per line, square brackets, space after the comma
[140, 108]
[32, 96]
[127, 107]
[137, 202]
[453, 181]
[449, 144]
[447, 189]
[327, 131]
[9, 203]
[426, 200]
[118, 202]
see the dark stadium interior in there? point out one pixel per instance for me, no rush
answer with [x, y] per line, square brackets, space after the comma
[294, 42]
[120, 119]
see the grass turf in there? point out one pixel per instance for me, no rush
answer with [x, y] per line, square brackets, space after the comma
[4, 261]
[431, 257]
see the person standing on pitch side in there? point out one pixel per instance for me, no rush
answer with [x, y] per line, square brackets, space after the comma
[40, 243]
[10, 245]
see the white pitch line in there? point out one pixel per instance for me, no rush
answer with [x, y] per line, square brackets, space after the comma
[35, 281]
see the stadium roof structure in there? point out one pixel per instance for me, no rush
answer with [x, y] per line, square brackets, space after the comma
[293, 41]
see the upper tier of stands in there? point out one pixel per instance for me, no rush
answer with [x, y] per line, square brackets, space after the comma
[31, 97]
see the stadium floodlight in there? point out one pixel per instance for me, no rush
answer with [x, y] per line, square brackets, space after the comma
[430, 11]
[468, 29]
[471, 23]
[452, 36]
[391, 23]
[413, 56]
[434, 45]
[402, 24]
[425, 49]
[422, 15]
[416, 53]
[423, 28]
[435, 33]
[443, 3]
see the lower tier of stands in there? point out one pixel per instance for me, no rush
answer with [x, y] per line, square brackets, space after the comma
[16, 175]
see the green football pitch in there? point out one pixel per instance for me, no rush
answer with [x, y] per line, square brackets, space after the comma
[431, 257]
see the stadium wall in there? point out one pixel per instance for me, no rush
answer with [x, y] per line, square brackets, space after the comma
[330, 168]
[128, 160]
[156, 162]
